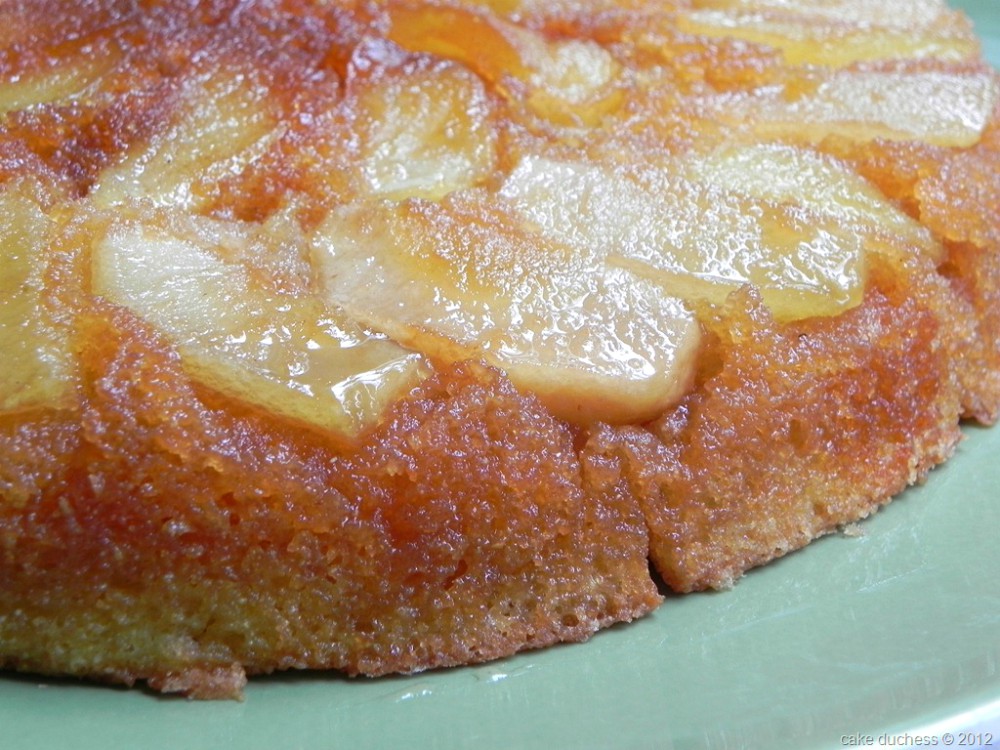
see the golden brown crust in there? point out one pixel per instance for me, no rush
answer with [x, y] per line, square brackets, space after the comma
[954, 194]
[794, 431]
[204, 544]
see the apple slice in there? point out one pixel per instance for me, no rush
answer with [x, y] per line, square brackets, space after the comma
[467, 279]
[884, 13]
[223, 122]
[37, 363]
[697, 240]
[423, 127]
[573, 82]
[291, 355]
[60, 83]
[566, 81]
[840, 33]
[794, 176]
[863, 105]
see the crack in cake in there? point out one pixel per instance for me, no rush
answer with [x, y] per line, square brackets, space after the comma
[385, 336]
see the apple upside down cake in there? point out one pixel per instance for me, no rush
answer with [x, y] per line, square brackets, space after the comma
[382, 336]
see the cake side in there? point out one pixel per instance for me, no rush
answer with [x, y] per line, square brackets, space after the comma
[182, 544]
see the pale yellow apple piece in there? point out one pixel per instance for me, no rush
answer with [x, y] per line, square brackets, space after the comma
[696, 240]
[841, 33]
[912, 14]
[61, 83]
[464, 279]
[424, 132]
[865, 105]
[292, 356]
[796, 176]
[222, 124]
[572, 82]
[36, 369]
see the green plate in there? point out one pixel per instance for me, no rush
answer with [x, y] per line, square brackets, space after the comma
[893, 634]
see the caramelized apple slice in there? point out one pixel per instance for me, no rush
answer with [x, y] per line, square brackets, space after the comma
[568, 82]
[479, 41]
[60, 83]
[865, 105]
[894, 13]
[800, 177]
[293, 356]
[423, 128]
[36, 369]
[840, 33]
[465, 279]
[697, 241]
[573, 82]
[221, 124]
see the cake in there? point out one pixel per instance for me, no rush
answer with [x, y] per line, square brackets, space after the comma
[388, 336]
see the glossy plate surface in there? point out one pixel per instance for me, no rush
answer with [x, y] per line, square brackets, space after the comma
[893, 632]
